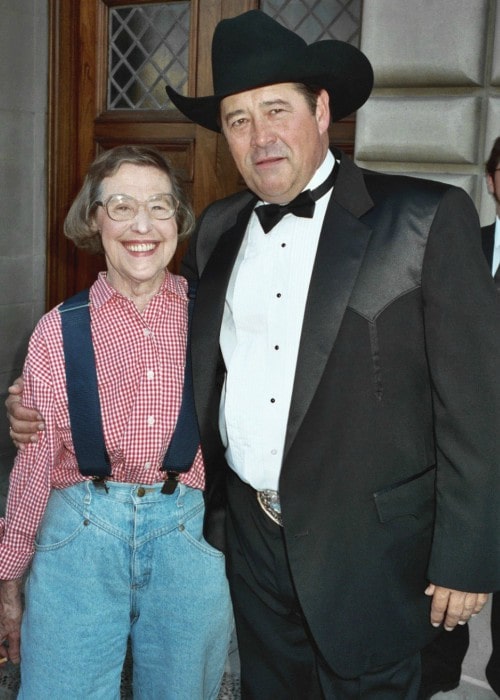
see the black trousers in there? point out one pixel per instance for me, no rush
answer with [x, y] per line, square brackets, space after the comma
[279, 658]
[442, 658]
[493, 667]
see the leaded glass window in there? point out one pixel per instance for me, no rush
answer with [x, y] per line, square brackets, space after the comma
[149, 43]
[148, 48]
[315, 20]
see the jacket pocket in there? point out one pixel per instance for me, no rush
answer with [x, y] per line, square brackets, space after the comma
[413, 496]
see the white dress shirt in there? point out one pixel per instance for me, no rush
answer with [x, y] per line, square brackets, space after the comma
[260, 337]
[495, 262]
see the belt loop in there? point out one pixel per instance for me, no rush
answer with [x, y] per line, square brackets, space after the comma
[87, 499]
[181, 492]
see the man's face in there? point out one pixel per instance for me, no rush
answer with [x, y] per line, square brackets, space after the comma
[276, 141]
[493, 182]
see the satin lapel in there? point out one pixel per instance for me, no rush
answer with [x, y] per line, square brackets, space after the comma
[341, 249]
[488, 241]
[209, 308]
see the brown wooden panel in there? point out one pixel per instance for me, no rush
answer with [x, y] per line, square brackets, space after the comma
[180, 149]
[342, 134]
[63, 135]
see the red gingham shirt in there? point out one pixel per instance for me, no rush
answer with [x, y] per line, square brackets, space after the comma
[140, 368]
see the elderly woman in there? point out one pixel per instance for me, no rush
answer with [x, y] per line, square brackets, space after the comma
[115, 558]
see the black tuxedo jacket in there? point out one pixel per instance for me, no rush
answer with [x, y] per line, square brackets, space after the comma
[488, 241]
[391, 469]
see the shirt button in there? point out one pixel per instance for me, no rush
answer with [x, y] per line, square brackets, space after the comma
[274, 452]
[151, 421]
[151, 374]
[146, 332]
[147, 465]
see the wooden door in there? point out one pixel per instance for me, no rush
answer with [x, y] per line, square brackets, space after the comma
[81, 123]
[84, 119]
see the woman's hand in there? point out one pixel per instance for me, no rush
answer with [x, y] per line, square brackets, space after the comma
[10, 620]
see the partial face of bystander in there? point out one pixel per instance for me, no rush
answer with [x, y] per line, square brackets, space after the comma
[493, 183]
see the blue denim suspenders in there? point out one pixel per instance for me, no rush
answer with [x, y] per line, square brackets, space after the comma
[85, 408]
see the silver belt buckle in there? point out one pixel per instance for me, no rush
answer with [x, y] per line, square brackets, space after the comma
[269, 501]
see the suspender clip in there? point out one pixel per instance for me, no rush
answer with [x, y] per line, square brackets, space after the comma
[170, 483]
[100, 483]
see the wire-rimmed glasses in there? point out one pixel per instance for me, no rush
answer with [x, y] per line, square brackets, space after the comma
[123, 207]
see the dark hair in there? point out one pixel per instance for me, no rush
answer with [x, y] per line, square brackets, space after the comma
[494, 159]
[310, 94]
[78, 225]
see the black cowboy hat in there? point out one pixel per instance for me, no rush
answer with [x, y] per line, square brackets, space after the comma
[252, 50]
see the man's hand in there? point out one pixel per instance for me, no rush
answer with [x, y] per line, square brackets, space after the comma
[10, 620]
[452, 607]
[24, 422]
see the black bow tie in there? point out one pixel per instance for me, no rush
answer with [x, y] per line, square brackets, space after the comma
[303, 204]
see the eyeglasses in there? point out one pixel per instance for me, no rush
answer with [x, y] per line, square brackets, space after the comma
[122, 207]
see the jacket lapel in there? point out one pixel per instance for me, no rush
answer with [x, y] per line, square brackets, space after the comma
[341, 248]
[208, 311]
[488, 241]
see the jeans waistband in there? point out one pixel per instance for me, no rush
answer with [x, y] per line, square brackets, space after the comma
[123, 491]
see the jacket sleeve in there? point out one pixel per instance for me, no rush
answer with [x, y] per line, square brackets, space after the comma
[213, 221]
[189, 268]
[462, 329]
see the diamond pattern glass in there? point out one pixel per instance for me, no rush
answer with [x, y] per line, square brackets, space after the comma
[315, 20]
[147, 43]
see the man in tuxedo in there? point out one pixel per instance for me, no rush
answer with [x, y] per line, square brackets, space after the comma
[491, 234]
[442, 658]
[346, 383]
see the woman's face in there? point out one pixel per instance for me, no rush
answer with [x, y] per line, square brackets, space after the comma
[137, 251]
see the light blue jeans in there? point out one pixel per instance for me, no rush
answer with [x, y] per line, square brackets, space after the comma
[128, 563]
